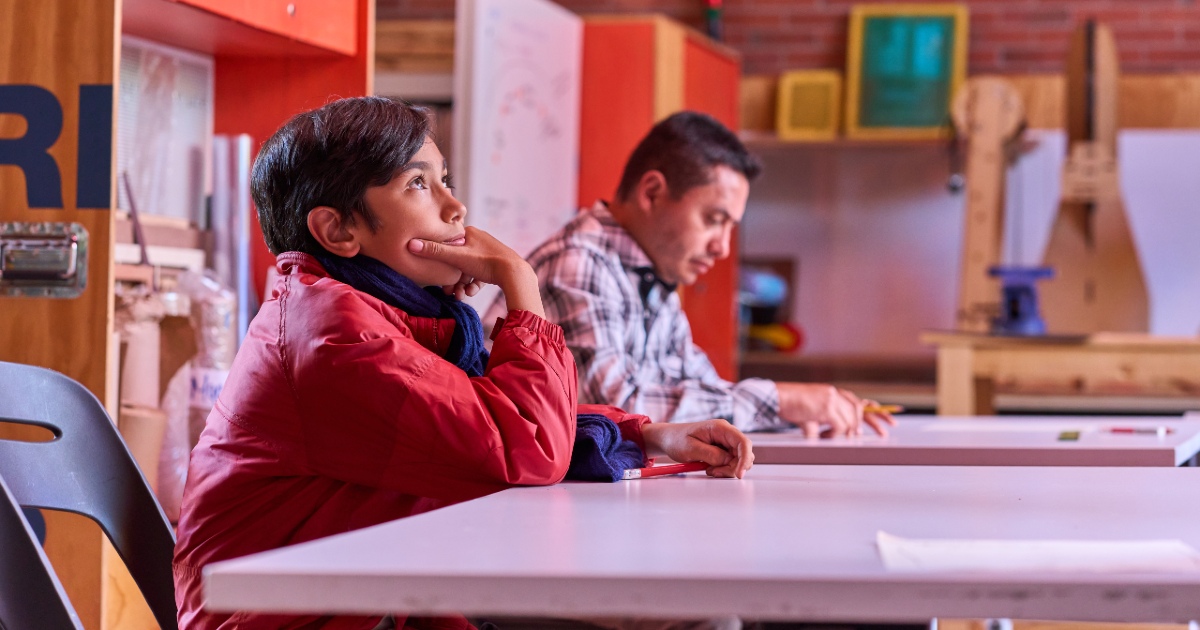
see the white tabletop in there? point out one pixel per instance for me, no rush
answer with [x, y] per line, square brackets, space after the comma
[995, 441]
[786, 542]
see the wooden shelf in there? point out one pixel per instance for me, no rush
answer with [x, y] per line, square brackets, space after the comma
[1145, 101]
[140, 274]
[414, 46]
[757, 139]
[780, 366]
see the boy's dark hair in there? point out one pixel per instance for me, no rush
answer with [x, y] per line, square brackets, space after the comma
[685, 147]
[329, 157]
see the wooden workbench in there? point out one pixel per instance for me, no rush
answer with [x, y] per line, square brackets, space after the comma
[972, 366]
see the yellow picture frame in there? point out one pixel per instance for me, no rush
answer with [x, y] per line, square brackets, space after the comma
[901, 72]
[809, 105]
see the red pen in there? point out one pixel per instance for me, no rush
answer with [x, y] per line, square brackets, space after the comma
[668, 469]
[1159, 431]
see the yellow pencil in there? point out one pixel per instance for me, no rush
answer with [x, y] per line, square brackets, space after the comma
[883, 409]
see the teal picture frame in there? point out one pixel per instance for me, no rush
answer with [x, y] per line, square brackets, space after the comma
[904, 64]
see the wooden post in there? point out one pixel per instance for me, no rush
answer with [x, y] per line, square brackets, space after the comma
[959, 391]
[988, 113]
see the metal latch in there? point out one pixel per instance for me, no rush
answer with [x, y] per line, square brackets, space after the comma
[43, 259]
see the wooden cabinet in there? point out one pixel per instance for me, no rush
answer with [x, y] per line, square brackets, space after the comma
[638, 70]
[269, 64]
[322, 23]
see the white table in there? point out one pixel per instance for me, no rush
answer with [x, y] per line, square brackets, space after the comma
[786, 542]
[994, 441]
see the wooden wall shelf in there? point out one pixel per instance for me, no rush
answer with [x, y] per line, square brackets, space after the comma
[1145, 101]
[760, 140]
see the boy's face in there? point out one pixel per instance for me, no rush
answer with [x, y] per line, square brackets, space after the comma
[417, 203]
[688, 235]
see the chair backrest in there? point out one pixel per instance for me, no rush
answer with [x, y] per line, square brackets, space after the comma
[86, 469]
[30, 594]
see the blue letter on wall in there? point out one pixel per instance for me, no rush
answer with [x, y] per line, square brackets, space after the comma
[94, 177]
[44, 120]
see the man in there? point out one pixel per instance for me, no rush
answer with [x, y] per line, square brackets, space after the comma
[609, 278]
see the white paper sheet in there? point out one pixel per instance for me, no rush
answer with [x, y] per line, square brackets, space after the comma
[1124, 556]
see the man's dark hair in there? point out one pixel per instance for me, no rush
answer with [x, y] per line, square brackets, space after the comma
[329, 157]
[685, 147]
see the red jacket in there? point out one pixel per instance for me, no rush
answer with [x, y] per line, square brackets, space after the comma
[339, 413]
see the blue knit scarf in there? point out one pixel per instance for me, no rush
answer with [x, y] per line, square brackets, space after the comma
[381, 281]
[599, 453]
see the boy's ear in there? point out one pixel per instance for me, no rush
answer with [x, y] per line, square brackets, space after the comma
[326, 225]
[650, 189]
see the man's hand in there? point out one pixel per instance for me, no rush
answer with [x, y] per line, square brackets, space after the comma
[717, 443]
[810, 405]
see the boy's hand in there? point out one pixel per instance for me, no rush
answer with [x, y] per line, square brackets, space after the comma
[717, 443]
[465, 287]
[483, 259]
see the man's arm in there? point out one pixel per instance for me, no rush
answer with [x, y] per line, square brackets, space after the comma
[582, 292]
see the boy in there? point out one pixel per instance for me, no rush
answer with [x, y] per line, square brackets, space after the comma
[359, 397]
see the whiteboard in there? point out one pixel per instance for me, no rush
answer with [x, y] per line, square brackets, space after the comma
[516, 117]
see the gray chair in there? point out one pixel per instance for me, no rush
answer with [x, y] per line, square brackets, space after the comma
[86, 469]
[30, 594]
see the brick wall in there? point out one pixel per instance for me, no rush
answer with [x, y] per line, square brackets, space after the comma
[1007, 36]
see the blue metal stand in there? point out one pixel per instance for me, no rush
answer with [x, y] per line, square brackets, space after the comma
[1019, 304]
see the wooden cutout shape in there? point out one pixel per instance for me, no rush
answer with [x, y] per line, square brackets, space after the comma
[989, 114]
[1098, 283]
[1090, 174]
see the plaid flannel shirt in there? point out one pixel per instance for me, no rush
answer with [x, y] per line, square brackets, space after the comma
[630, 337]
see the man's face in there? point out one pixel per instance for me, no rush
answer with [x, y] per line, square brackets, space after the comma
[688, 235]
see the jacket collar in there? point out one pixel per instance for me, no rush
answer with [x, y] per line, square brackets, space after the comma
[620, 241]
[432, 333]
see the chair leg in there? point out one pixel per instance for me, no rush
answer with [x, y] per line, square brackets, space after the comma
[37, 523]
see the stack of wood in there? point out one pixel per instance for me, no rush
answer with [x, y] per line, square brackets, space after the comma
[414, 46]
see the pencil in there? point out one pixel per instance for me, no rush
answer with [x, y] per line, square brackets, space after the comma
[883, 409]
[668, 469]
[1159, 431]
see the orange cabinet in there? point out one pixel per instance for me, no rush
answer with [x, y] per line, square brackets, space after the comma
[638, 70]
[65, 53]
[325, 23]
